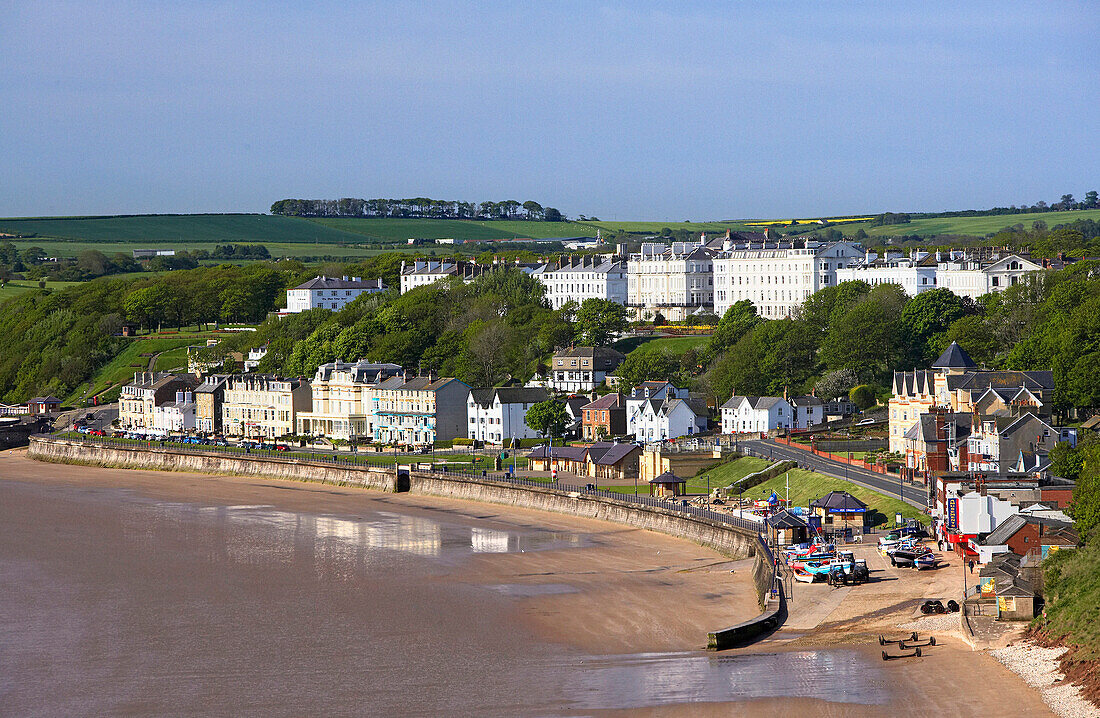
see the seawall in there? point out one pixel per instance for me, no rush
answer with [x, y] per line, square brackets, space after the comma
[176, 458]
[725, 539]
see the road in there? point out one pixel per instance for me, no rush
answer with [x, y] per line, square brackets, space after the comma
[912, 495]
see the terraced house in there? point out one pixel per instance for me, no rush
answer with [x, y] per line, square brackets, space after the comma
[139, 399]
[343, 401]
[420, 411]
[262, 406]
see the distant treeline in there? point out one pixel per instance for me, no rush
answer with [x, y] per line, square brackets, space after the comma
[417, 207]
[1091, 201]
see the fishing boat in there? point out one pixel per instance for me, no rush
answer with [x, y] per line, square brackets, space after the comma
[803, 576]
[927, 560]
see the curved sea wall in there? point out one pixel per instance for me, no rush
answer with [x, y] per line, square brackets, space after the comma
[176, 458]
[728, 540]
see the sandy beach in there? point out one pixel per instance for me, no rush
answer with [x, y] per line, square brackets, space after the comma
[629, 609]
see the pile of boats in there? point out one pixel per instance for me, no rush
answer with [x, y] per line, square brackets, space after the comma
[820, 561]
[907, 552]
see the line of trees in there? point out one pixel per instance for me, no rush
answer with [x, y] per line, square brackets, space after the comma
[417, 207]
[1066, 203]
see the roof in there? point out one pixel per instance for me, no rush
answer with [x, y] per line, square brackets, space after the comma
[667, 478]
[806, 400]
[44, 400]
[324, 282]
[483, 397]
[785, 520]
[954, 357]
[608, 401]
[211, 384]
[1008, 528]
[614, 454]
[606, 353]
[1092, 422]
[520, 394]
[839, 501]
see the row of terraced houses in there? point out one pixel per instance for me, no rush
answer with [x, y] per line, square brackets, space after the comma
[680, 279]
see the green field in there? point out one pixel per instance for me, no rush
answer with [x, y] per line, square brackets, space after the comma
[974, 226]
[656, 227]
[674, 345]
[121, 369]
[16, 287]
[71, 248]
[180, 228]
[401, 230]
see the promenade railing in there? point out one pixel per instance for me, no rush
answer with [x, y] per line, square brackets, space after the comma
[360, 461]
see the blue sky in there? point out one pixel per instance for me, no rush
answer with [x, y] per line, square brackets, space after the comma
[640, 110]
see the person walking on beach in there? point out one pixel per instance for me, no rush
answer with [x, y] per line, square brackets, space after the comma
[971, 565]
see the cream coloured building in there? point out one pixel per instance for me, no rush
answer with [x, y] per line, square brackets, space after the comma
[421, 410]
[577, 279]
[343, 400]
[777, 276]
[674, 280]
[139, 399]
[263, 406]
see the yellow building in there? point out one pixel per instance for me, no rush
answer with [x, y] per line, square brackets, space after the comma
[263, 406]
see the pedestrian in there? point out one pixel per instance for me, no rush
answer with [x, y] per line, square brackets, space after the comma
[971, 565]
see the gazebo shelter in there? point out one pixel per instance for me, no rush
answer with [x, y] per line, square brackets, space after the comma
[667, 484]
[786, 528]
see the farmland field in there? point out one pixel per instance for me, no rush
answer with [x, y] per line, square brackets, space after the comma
[976, 226]
[16, 287]
[68, 248]
[180, 228]
[400, 230]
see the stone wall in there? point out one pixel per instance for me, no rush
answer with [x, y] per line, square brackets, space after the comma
[727, 540]
[178, 458]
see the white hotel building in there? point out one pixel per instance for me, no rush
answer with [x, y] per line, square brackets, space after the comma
[577, 279]
[677, 281]
[777, 276]
[965, 276]
[328, 293]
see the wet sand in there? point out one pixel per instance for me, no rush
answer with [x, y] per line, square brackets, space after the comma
[249, 596]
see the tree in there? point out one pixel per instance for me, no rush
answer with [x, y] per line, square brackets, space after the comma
[862, 396]
[147, 305]
[1066, 461]
[548, 418]
[1085, 507]
[553, 215]
[646, 365]
[734, 324]
[1092, 201]
[836, 383]
[925, 315]
[533, 209]
[599, 320]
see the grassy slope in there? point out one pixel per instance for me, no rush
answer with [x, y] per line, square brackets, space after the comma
[400, 230]
[121, 369]
[1072, 581]
[675, 345]
[808, 485]
[15, 288]
[977, 226]
[181, 228]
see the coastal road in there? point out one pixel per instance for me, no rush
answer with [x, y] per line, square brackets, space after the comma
[912, 495]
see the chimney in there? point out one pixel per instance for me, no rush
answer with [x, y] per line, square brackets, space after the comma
[767, 233]
[784, 393]
[813, 392]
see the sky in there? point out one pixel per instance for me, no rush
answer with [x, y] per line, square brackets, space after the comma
[635, 110]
